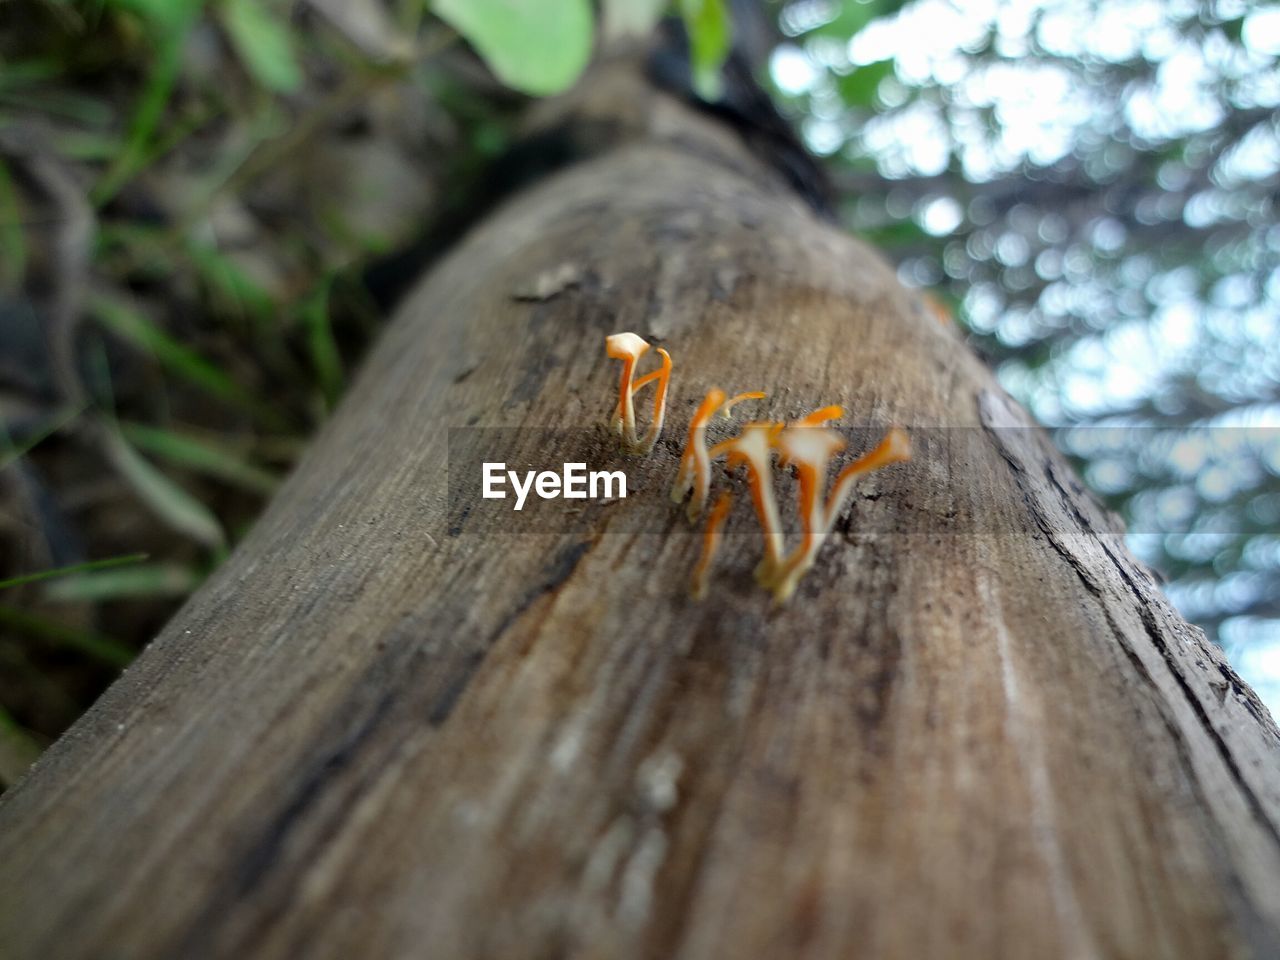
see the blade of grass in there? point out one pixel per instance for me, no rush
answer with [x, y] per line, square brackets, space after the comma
[166, 499]
[170, 502]
[18, 749]
[143, 333]
[141, 250]
[171, 21]
[13, 245]
[325, 359]
[60, 104]
[17, 74]
[9, 451]
[263, 41]
[199, 455]
[86, 147]
[147, 580]
[234, 290]
[74, 568]
[160, 83]
[103, 648]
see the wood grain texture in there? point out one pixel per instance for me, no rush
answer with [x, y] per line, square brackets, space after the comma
[979, 732]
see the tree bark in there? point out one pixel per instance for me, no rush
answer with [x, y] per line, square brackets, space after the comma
[978, 730]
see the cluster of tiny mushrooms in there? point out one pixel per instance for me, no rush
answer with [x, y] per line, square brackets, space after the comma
[806, 445]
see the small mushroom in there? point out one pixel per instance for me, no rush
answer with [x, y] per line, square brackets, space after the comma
[818, 418]
[810, 450]
[629, 348]
[695, 463]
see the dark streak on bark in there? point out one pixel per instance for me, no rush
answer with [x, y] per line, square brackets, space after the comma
[679, 888]
[266, 850]
[264, 855]
[447, 700]
[562, 567]
[1157, 639]
[1156, 636]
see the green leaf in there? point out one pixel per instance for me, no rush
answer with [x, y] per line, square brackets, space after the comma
[709, 28]
[167, 500]
[538, 48]
[263, 44]
[859, 87]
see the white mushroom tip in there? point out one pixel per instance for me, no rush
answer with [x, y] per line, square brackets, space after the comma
[813, 445]
[620, 346]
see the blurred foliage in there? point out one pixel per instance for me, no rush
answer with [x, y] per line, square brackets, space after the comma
[190, 194]
[1092, 188]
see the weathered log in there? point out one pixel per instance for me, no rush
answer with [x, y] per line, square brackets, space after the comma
[978, 731]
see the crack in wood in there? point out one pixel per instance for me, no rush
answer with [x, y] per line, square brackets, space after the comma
[1258, 932]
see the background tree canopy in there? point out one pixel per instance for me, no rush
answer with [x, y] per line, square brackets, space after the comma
[192, 192]
[1092, 187]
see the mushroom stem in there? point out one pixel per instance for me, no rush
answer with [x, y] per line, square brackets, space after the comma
[894, 448]
[809, 449]
[694, 464]
[820, 416]
[628, 348]
[694, 472]
[663, 376]
[625, 424]
[710, 543]
[738, 398]
[753, 447]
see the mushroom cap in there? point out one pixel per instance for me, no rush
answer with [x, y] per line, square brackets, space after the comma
[753, 444]
[810, 445]
[625, 346]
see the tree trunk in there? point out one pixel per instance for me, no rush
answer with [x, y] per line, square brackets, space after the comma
[384, 730]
